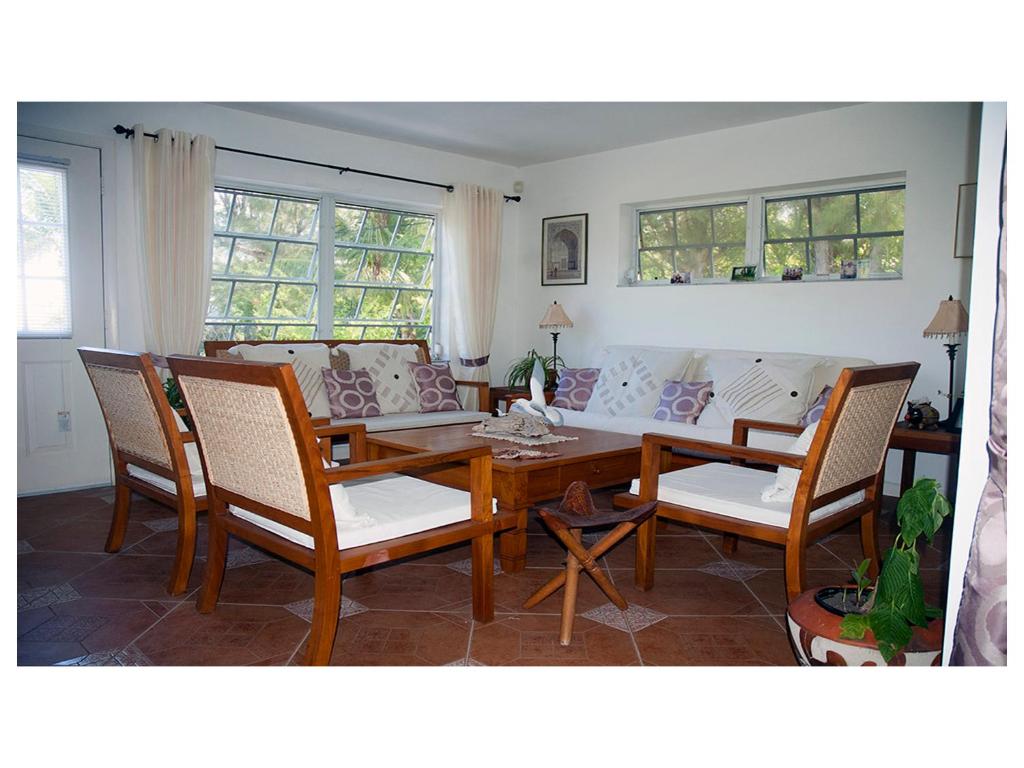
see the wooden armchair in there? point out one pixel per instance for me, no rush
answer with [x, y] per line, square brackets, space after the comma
[840, 477]
[153, 452]
[268, 484]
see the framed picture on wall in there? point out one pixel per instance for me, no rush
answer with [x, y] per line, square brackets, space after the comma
[563, 250]
[963, 241]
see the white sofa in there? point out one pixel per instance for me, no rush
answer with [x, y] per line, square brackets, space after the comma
[697, 367]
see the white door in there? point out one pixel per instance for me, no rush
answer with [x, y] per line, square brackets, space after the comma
[62, 440]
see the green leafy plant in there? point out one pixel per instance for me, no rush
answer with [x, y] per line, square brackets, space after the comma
[520, 371]
[173, 394]
[896, 604]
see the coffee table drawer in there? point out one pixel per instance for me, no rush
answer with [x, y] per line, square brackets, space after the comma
[603, 471]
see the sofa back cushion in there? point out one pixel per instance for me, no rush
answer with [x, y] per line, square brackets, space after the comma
[306, 359]
[386, 364]
[631, 379]
[755, 387]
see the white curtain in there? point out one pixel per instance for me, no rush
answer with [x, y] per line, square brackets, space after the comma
[174, 216]
[471, 226]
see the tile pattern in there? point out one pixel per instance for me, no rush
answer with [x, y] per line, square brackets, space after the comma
[80, 606]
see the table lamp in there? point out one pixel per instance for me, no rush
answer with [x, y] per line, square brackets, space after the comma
[555, 317]
[949, 322]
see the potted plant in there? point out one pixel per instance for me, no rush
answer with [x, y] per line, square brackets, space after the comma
[519, 372]
[884, 623]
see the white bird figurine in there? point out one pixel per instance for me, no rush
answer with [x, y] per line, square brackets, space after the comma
[536, 406]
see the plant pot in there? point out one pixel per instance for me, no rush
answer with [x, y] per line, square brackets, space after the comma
[814, 634]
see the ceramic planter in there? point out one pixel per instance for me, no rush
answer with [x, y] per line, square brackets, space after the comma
[814, 634]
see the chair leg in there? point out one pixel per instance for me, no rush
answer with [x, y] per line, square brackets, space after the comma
[572, 581]
[119, 525]
[216, 561]
[729, 543]
[869, 540]
[326, 604]
[646, 533]
[796, 571]
[483, 578]
[186, 550]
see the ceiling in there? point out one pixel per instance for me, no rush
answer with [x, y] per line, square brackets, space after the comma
[525, 133]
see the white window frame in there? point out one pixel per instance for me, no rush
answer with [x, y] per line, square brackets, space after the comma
[325, 245]
[755, 202]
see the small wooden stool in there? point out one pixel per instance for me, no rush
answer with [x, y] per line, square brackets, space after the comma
[575, 513]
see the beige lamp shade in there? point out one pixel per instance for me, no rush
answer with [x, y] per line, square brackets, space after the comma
[555, 317]
[949, 321]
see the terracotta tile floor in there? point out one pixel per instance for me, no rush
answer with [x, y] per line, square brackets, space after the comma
[78, 605]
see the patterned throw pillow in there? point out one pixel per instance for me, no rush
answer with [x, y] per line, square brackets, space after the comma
[351, 394]
[683, 401]
[575, 385]
[767, 389]
[437, 387]
[386, 363]
[817, 409]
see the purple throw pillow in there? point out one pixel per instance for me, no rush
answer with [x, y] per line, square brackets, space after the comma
[575, 385]
[817, 409]
[351, 394]
[683, 401]
[436, 386]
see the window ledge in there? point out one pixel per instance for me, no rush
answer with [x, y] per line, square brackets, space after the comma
[759, 281]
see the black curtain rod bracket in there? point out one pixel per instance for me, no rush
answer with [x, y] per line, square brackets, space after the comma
[128, 133]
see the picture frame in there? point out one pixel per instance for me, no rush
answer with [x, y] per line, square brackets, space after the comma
[744, 274]
[963, 236]
[563, 250]
[792, 273]
[848, 270]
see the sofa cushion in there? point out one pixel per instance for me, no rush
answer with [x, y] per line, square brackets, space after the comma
[575, 386]
[816, 409]
[734, 491]
[351, 394]
[307, 360]
[386, 363]
[631, 379]
[436, 387]
[394, 505]
[682, 401]
[775, 389]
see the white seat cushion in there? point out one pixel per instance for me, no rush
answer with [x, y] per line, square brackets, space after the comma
[396, 505]
[733, 491]
[390, 421]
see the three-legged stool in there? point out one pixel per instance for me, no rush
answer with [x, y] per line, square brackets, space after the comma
[575, 513]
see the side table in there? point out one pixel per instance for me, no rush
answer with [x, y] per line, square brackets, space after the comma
[914, 441]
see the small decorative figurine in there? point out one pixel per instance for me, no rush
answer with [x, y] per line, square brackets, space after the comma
[921, 415]
[681, 278]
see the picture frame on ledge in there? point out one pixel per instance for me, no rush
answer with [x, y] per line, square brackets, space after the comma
[563, 250]
[744, 274]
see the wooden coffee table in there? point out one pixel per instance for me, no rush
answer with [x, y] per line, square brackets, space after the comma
[599, 458]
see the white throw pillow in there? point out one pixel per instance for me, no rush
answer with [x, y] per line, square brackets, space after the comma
[308, 362]
[755, 387]
[787, 478]
[386, 363]
[631, 380]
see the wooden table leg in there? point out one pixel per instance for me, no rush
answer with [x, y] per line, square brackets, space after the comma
[907, 476]
[512, 544]
[572, 581]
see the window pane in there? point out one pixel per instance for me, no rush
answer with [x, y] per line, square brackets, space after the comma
[656, 265]
[411, 232]
[41, 192]
[221, 251]
[379, 332]
[697, 261]
[346, 223]
[44, 290]
[217, 332]
[252, 214]
[296, 219]
[379, 227]
[834, 215]
[786, 218]
[251, 299]
[295, 260]
[828, 255]
[346, 302]
[411, 268]
[882, 211]
[377, 304]
[657, 229]
[249, 332]
[221, 209]
[726, 258]
[378, 266]
[295, 332]
[293, 301]
[347, 262]
[693, 226]
[885, 253]
[218, 306]
[348, 332]
[778, 256]
[411, 305]
[731, 224]
[251, 257]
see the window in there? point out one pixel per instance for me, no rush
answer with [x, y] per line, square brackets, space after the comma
[264, 267]
[819, 232]
[43, 287]
[707, 241]
[383, 273]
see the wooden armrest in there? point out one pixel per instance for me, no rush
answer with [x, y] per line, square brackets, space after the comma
[330, 430]
[187, 437]
[402, 463]
[477, 384]
[483, 392]
[324, 431]
[741, 429]
[758, 455]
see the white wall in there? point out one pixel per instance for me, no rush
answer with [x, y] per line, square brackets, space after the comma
[233, 128]
[934, 144]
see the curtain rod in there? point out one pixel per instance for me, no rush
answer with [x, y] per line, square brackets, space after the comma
[129, 132]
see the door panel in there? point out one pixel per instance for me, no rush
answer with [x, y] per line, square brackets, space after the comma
[62, 440]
